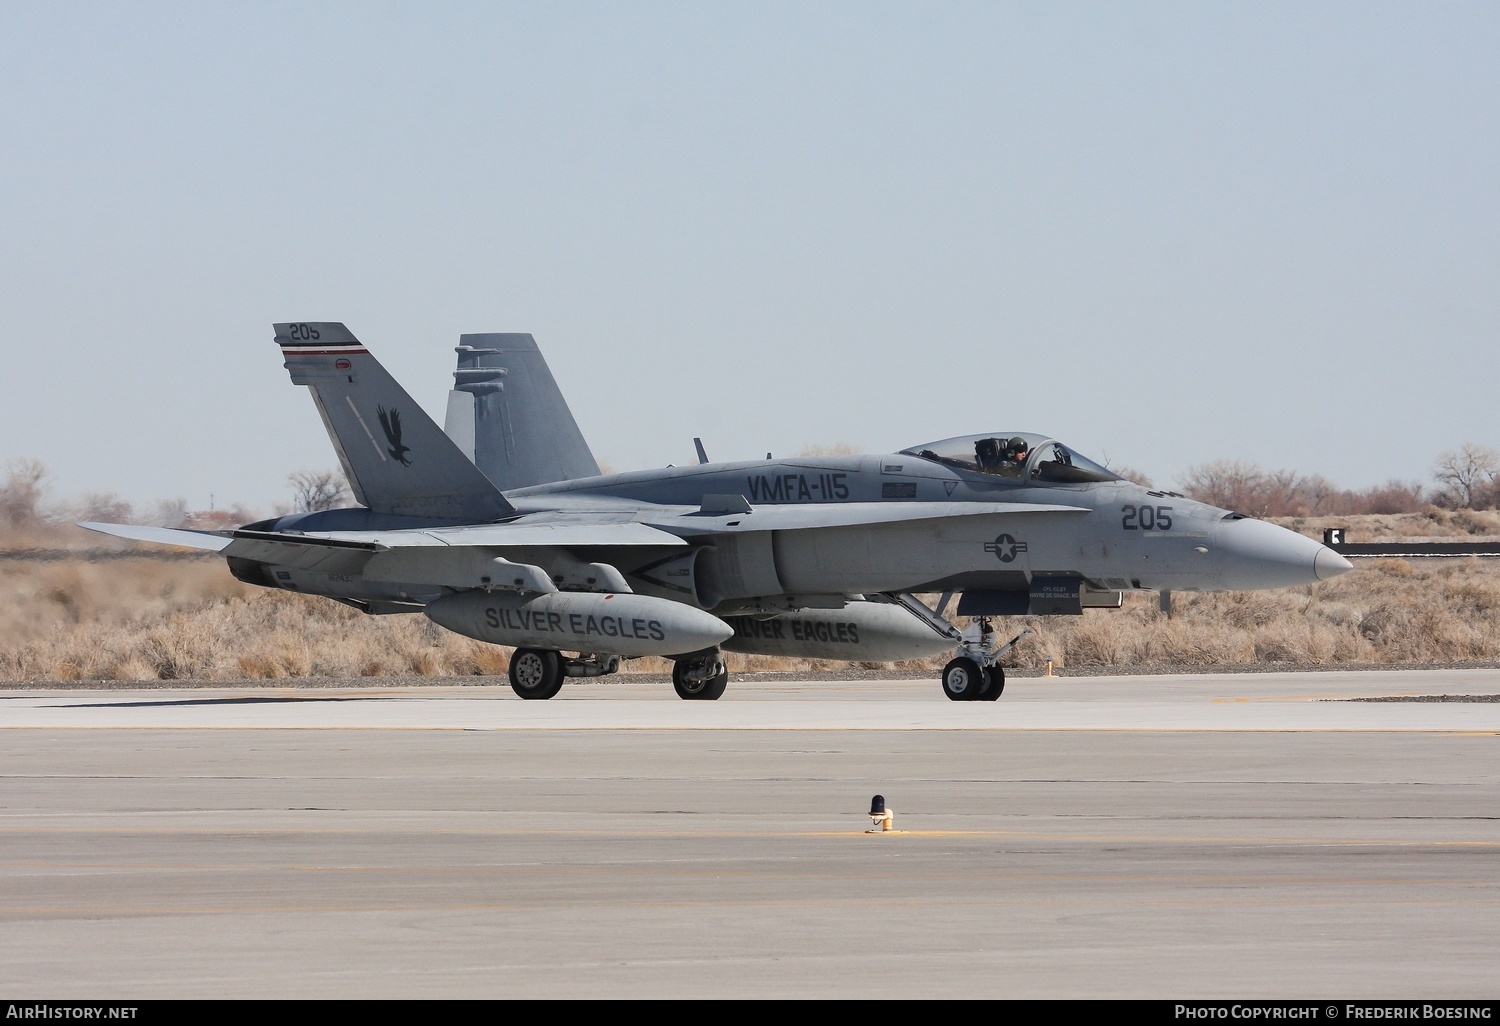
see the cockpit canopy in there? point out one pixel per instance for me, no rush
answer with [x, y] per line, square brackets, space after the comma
[1020, 456]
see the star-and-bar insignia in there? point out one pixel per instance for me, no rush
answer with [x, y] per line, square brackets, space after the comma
[1005, 548]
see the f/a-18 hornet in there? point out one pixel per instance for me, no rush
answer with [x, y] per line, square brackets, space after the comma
[501, 528]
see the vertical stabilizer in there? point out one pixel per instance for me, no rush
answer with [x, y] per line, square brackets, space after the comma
[396, 459]
[507, 413]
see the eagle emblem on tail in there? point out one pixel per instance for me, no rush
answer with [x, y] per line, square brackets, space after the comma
[390, 423]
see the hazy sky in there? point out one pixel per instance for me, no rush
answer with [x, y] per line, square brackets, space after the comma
[1165, 233]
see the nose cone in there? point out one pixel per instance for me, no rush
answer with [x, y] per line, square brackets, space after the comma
[1256, 554]
[1329, 564]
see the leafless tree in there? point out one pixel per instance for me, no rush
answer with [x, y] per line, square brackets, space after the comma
[169, 513]
[21, 495]
[1228, 484]
[103, 507]
[1128, 473]
[1391, 497]
[1467, 472]
[1131, 474]
[319, 489]
[220, 519]
[1247, 488]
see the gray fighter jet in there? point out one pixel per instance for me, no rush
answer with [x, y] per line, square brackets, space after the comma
[501, 528]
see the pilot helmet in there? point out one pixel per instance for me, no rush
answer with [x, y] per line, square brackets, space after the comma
[1017, 444]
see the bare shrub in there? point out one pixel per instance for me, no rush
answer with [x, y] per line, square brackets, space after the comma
[21, 495]
[1097, 643]
[318, 490]
[1137, 476]
[220, 519]
[1176, 642]
[1300, 642]
[101, 507]
[1228, 484]
[169, 513]
[1391, 497]
[1247, 488]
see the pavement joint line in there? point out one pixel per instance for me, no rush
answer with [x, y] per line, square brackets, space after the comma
[93, 911]
[778, 728]
[1010, 835]
[779, 871]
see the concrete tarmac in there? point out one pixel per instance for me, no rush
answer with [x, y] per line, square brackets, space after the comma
[1180, 837]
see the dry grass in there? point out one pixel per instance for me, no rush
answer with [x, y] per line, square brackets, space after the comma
[1428, 523]
[1386, 611]
[264, 634]
[65, 596]
[149, 619]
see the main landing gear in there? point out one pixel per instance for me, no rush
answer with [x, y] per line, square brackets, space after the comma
[700, 678]
[975, 673]
[537, 673]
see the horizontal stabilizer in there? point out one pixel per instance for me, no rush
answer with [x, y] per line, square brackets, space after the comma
[334, 556]
[163, 535]
[541, 530]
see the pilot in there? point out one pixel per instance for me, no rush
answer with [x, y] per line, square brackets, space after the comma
[1016, 452]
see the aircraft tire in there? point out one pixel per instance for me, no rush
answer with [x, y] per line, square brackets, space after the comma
[994, 683]
[963, 680]
[535, 673]
[710, 690]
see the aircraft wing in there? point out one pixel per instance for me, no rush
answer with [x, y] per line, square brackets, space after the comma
[348, 551]
[473, 556]
[797, 517]
[212, 541]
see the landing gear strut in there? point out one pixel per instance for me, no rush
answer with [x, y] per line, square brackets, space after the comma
[975, 674]
[700, 678]
[538, 673]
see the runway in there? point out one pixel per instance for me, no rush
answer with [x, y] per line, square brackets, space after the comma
[1191, 836]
